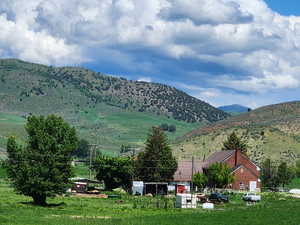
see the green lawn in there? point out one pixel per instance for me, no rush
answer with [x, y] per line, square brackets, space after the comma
[275, 209]
[16, 209]
[294, 184]
[81, 170]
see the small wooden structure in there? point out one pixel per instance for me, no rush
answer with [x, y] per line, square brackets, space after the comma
[156, 188]
[80, 185]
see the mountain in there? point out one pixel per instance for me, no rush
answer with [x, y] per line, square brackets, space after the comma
[234, 109]
[271, 132]
[108, 111]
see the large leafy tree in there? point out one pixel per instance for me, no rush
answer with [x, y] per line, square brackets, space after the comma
[83, 149]
[156, 163]
[114, 171]
[234, 142]
[42, 168]
[200, 180]
[219, 175]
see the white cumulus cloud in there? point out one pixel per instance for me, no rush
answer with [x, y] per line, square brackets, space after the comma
[240, 45]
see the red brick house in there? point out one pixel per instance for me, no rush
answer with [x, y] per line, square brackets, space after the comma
[245, 171]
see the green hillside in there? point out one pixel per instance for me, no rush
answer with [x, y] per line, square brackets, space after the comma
[106, 110]
[271, 131]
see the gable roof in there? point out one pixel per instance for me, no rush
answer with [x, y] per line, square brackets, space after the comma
[184, 170]
[234, 169]
[218, 157]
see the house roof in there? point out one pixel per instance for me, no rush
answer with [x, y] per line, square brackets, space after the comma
[218, 157]
[236, 168]
[184, 170]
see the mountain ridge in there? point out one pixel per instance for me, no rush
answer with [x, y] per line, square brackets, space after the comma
[106, 110]
[118, 91]
[234, 109]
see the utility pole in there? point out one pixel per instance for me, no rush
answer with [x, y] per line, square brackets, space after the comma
[192, 183]
[92, 150]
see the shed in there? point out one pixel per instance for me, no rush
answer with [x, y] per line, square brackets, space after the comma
[80, 185]
[156, 188]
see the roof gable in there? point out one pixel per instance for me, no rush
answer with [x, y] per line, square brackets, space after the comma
[184, 170]
[234, 169]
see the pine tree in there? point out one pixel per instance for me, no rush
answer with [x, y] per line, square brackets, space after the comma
[285, 174]
[42, 168]
[156, 163]
[234, 142]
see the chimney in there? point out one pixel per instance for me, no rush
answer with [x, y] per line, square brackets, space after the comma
[236, 157]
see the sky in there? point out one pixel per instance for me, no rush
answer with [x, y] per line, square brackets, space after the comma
[220, 51]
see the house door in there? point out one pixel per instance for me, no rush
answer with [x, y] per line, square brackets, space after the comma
[252, 185]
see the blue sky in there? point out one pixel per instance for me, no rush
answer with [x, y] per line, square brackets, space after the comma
[221, 51]
[286, 7]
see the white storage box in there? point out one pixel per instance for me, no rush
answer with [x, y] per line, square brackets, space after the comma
[186, 201]
[137, 187]
[208, 206]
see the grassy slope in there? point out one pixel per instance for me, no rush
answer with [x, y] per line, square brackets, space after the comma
[27, 88]
[271, 131]
[108, 129]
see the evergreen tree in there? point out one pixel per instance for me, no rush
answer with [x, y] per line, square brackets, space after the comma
[172, 128]
[269, 174]
[156, 163]
[297, 169]
[234, 142]
[42, 168]
[285, 174]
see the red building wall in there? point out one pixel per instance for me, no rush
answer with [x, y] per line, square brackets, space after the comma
[244, 176]
[250, 172]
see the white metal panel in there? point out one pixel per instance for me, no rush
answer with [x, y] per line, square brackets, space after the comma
[252, 186]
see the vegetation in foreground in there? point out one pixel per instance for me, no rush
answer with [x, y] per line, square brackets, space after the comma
[42, 168]
[16, 210]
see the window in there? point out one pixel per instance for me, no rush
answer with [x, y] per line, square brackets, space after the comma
[242, 186]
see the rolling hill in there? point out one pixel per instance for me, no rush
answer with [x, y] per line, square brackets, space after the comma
[106, 110]
[271, 131]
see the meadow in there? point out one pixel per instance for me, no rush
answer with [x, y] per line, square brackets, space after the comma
[17, 209]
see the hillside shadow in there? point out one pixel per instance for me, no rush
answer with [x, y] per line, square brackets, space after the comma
[50, 205]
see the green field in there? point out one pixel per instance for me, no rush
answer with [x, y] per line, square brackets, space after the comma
[16, 209]
[275, 209]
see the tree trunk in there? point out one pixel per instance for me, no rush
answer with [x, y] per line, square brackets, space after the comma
[39, 200]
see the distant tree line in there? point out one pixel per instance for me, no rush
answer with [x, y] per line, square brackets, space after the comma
[168, 127]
